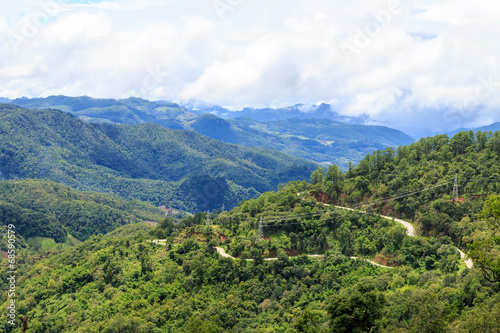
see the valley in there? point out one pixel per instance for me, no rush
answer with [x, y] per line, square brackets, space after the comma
[254, 241]
[235, 166]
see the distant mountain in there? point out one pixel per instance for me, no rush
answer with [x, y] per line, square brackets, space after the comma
[4, 100]
[316, 132]
[180, 169]
[299, 111]
[126, 111]
[491, 127]
[319, 140]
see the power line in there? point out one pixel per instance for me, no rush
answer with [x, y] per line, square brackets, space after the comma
[260, 233]
[399, 196]
[382, 200]
[319, 213]
[455, 187]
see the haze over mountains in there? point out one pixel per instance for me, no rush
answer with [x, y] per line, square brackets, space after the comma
[317, 133]
[492, 127]
[300, 111]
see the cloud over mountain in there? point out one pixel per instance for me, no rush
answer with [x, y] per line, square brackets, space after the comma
[390, 59]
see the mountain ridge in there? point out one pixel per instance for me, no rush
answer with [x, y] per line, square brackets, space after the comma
[182, 169]
[248, 127]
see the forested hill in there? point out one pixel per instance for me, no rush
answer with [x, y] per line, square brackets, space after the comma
[122, 282]
[177, 168]
[422, 176]
[417, 183]
[40, 208]
[317, 133]
[319, 140]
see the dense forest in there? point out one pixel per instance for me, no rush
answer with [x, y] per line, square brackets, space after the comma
[333, 138]
[417, 182]
[47, 209]
[182, 169]
[123, 282]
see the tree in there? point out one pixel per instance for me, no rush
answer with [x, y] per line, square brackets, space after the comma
[334, 181]
[491, 208]
[486, 255]
[309, 322]
[429, 313]
[196, 325]
[483, 319]
[461, 141]
[317, 176]
[51, 284]
[357, 309]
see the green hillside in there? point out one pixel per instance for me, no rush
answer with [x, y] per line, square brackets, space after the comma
[47, 209]
[179, 169]
[417, 181]
[321, 140]
[121, 282]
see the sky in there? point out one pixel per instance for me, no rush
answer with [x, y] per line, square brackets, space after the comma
[421, 66]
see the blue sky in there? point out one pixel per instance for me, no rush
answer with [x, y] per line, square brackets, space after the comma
[407, 64]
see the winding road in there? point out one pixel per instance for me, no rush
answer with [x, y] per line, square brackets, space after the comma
[409, 228]
[410, 231]
[224, 254]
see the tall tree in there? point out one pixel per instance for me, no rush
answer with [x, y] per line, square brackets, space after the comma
[357, 309]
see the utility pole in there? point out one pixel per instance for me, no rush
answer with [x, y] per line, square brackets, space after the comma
[455, 188]
[260, 233]
[208, 218]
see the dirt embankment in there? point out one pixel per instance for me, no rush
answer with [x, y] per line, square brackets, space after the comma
[322, 197]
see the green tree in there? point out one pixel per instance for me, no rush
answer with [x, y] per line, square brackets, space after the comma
[334, 181]
[430, 314]
[317, 176]
[491, 208]
[196, 325]
[486, 255]
[483, 319]
[357, 309]
[309, 322]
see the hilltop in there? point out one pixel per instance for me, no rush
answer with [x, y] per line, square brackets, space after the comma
[316, 133]
[40, 208]
[177, 168]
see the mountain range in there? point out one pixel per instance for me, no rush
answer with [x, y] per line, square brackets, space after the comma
[494, 127]
[178, 168]
[299, 111]
[317, 133]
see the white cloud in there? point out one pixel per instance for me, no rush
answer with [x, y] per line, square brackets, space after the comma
[428, 54]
